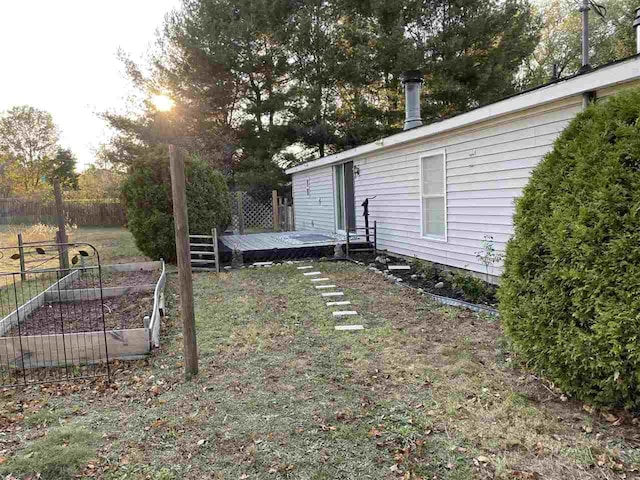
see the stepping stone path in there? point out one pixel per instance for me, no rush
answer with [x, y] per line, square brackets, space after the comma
[340, 313]
[262, 264]
[345, 313]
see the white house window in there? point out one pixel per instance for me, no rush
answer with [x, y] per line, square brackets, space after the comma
[433, 196]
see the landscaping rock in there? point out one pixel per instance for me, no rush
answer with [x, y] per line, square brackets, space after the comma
[414, 276]
[439, 285]
[382, 260]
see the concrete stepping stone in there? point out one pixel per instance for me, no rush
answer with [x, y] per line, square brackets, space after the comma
[399, 267]
[262, 264]
[333, 294]
[306, 267]
[311, 274]
[348, 327]
[334, 304]
[318, 287]
[345, 313]
[322, 279]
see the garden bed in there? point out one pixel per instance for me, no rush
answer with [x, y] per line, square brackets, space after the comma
[436, 279]
[64, 324]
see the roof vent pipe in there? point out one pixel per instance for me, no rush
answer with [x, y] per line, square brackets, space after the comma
[584, 9]
[412, 81]
[636, 24]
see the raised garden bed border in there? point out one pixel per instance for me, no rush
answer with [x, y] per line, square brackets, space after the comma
[86, 347]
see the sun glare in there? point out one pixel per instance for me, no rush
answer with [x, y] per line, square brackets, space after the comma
[162, 103]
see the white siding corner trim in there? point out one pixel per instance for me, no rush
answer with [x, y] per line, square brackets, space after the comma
[423, 194]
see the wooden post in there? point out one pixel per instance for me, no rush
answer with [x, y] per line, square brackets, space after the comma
[23, 276]
[240, 212]
[285, 213]
[181, 220]
[62, 238]
[214, 234]
[276, 217]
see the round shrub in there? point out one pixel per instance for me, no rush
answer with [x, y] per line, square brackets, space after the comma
[570, 294]
[147, 196]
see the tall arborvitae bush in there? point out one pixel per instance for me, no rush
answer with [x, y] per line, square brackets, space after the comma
[147, 196]
[570, 294]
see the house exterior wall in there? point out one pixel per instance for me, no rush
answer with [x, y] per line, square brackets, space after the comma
[487, 165]
[315, 210]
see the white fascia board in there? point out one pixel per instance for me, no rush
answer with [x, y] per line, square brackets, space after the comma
[600, 78]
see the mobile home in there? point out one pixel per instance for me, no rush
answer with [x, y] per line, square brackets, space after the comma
[437, 191]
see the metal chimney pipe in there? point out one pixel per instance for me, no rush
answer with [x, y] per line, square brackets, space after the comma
[636, 24]
[412, 81]
[584, 9]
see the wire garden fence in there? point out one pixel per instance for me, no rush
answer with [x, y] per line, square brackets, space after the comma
[42, 325]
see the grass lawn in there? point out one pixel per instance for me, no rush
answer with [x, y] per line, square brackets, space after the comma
[423, 392]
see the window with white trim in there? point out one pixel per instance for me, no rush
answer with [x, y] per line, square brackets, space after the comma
[433, 196]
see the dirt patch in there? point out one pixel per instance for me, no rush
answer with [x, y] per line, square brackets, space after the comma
[122, 312]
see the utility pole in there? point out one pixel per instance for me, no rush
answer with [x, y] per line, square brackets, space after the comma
[61, 237]
[181, 220]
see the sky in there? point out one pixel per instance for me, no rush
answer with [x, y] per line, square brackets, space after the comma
[60, 56]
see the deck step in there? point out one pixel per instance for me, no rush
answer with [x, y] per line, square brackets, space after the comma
[345, 313]
[335, 304]
[399, 267]
[311, 274]
[321, 279]
[348, 327]
[318, 287]
[333, 294]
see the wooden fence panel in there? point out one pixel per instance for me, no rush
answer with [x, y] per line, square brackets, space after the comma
[77, 212]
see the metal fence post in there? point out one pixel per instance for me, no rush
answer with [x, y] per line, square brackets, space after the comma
[274, 203]
[240, 212]
[23, 276]
[216, 255]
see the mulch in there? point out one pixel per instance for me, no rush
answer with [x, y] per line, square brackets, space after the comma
[126, 311]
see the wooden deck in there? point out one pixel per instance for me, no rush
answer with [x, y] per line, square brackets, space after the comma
[280, 240]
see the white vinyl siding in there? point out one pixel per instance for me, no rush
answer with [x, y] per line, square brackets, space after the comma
[433, 196]
[487, 165]
[313, 200]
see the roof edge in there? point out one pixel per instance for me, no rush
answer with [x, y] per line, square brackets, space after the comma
[611, 74]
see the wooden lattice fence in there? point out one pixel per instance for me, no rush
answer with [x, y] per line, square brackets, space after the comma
[251, 213]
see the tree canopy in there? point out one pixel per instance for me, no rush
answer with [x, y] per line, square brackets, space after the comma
[262, 84]
[29, 152]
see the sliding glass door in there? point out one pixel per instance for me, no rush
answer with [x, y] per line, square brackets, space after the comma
[344, 197]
